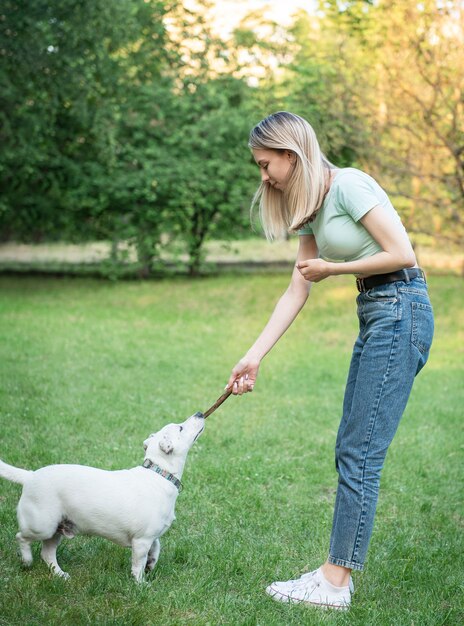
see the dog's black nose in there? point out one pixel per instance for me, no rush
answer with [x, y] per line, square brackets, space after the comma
[199, 414]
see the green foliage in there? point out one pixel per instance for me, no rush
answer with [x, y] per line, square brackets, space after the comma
[57, 79]
[107, 141]
[399, 65]
[205, 175]
[68, 69]
[319, 89]
[128, 121]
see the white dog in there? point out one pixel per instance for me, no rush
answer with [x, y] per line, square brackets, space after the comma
[131, 507]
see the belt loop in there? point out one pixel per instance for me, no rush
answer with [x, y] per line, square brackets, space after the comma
[406, 276]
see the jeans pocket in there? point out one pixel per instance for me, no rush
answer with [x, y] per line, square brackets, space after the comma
[384, 293]
[422, 326]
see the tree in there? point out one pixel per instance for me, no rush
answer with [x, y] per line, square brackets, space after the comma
[325, 91]
[404, 76]
[421, 120]
[69, 71]
[206, 179]
[205, 175]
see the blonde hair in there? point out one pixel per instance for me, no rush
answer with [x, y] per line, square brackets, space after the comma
[290, 210]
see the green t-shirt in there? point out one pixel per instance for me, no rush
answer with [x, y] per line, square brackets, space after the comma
[339, 234]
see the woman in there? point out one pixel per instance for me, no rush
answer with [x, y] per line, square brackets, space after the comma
[346, 225]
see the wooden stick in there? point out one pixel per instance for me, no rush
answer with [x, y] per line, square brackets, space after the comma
[218, 403]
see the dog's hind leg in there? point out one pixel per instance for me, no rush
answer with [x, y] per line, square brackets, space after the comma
[153, 555]
[25, 549]
[140, 549]
[48, 554]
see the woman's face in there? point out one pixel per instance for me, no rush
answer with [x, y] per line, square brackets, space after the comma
[275, 166]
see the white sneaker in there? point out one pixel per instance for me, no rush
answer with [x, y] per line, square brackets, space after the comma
[312, 588]
[285, 583]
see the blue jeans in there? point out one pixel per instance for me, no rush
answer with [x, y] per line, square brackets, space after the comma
[395, 335]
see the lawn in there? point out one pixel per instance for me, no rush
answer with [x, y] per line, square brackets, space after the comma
[90, 368]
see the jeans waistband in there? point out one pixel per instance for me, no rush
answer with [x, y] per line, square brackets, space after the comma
[363, 284]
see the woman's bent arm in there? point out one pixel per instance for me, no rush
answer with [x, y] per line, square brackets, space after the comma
[396, 254]
[287, 308]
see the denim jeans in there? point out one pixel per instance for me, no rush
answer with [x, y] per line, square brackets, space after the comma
[395, 335]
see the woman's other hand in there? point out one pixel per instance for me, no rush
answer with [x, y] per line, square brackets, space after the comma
[314, 270]
[243, 376]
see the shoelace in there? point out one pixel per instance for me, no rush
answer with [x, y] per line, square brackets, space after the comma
[307, 585]
[305, 580]
[302, 580]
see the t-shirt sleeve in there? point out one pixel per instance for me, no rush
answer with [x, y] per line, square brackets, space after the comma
[306, 230]
[357, 195]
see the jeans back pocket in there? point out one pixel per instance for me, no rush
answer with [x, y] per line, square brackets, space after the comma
[422, 326]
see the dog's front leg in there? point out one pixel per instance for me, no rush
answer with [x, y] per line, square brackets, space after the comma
[153, 555]
[140, 548]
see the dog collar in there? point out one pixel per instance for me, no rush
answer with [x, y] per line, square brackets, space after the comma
[164, 473]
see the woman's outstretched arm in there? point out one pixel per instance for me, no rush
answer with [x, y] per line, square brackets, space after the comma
[245, 372]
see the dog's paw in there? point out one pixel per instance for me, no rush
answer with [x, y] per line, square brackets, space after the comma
[58, 573]
[139, 576]
[26, 563]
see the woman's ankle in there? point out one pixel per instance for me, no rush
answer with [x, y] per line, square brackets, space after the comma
[336, 574]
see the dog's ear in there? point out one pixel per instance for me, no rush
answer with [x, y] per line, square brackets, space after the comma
[166, 445]
[146, 442]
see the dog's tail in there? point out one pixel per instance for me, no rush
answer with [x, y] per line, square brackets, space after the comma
[15, 474]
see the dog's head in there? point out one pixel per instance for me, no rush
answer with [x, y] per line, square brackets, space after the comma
[169, 446]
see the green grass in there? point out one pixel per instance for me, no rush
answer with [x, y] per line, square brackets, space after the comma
[88, 369]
